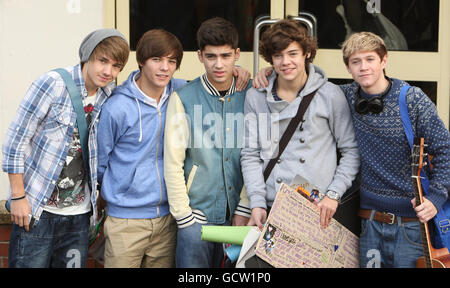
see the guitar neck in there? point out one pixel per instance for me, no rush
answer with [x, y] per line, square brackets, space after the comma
[423, 227]
[419, 200]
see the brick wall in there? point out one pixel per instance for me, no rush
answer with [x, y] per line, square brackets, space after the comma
[5, 230]
[4, 244]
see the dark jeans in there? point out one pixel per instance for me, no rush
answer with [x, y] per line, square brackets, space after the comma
[55, 241]
[192, 252]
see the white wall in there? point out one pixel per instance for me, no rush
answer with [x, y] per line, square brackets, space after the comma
[37, 36]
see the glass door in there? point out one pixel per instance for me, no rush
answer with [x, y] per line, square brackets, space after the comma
[417, 33]
[182, 18]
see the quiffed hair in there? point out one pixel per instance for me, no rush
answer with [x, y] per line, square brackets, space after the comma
[217, 32]
[158, 43]
[281, 34]
[363, 41]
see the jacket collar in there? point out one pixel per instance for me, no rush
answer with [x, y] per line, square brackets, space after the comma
[212, 90]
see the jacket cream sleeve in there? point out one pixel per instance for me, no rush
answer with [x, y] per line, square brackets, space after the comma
[176, 139]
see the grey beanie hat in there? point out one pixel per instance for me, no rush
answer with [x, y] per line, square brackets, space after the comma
[93, 39]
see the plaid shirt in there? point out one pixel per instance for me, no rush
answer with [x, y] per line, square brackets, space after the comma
[39, 137]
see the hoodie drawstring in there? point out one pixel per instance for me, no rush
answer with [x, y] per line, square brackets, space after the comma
[140, 120]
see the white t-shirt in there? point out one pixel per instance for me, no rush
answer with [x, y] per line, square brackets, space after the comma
[71, 195]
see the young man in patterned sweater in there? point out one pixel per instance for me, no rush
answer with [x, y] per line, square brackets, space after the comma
[390, 234]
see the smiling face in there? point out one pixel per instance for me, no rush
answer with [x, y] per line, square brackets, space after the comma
[290, 63]
[366, 68]
[99, 72]
[219, 63]
[156, 72]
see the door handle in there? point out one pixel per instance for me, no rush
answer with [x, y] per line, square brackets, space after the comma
[259, 23]
[308, 19]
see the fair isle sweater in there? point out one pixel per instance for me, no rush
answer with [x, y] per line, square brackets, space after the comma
[386, 155]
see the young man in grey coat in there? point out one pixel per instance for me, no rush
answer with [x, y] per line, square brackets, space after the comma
[325, 129]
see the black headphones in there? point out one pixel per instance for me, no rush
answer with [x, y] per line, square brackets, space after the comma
[374, 104]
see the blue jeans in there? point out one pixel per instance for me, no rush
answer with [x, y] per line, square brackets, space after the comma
[383, 245]
[55, 241]
[192, 252]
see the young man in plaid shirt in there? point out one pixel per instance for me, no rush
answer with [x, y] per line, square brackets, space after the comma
[42, 156]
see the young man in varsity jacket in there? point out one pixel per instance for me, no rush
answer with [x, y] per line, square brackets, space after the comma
[201, 146]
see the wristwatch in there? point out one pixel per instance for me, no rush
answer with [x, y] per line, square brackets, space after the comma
[333, 195]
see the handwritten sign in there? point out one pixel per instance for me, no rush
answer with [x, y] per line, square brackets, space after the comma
[293, 238]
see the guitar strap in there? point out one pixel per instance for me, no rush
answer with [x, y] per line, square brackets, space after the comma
[287, 135]
[442, 218]
[75, 96]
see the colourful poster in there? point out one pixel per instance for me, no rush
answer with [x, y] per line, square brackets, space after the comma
[293, 238]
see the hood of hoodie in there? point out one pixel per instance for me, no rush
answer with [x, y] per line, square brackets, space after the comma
[316, 79]
[129, 88]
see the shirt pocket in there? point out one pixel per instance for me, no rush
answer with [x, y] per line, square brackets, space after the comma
[57, 123]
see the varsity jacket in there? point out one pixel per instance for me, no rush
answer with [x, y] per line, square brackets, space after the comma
[201, 152]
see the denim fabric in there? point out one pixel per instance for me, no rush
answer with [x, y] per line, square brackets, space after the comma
[192, 252]
[383, 245]
[56, 241]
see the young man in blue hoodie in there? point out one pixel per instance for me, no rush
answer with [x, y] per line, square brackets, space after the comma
[139, 230]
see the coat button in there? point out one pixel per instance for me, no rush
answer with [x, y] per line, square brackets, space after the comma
[302, 160]
[279, 180]
[279, 161]
[302, 140]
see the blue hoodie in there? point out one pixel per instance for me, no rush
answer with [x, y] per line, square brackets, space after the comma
[130, 152]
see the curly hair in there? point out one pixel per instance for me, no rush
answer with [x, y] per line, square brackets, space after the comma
[281, 34]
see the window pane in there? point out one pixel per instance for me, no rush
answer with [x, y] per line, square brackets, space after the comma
[183, 17]
[429, 88]
[403, 24]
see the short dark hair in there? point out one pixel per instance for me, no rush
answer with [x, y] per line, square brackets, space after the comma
[217, 32]
[158, 43]
[281, 34]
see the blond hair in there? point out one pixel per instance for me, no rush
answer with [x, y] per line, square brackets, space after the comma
[363, 41]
